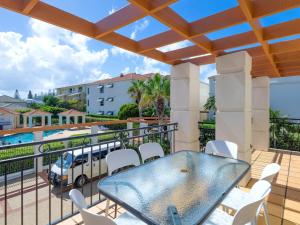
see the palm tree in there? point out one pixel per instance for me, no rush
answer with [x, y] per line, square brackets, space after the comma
[136, 92]
[157, 93]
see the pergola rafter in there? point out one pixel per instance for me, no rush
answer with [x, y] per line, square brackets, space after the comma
[275, 59]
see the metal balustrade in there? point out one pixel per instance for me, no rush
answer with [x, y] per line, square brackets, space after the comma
[37, 176]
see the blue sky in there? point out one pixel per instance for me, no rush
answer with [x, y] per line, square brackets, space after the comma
[37, 56]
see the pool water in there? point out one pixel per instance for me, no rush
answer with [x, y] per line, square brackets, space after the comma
[24, 138]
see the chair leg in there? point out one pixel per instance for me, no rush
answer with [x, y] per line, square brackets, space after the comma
[266, 213]
[116, 208]
[107, 207]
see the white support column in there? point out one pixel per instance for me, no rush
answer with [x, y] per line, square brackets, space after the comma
[185, 107]
[233, 102]
[260, 113]
[30, 121]
[130, 133]
[43, 121]
[75, 119]
[94, 130]
[60, 120]
[49, 120]
[24, 121]
[67, 119]
[83, 119]
[142, 125]
[38, 136]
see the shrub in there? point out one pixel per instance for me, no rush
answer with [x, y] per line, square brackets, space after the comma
[128, 110]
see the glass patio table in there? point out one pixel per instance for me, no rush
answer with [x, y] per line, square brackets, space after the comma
[192, 182]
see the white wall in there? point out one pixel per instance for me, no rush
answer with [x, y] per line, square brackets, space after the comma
[285, 96]
[204, 89]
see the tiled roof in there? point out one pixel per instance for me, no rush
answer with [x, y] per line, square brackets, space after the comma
[8, 111]
[122, 77]
[72, 112]
[36, 112]
[8, 99]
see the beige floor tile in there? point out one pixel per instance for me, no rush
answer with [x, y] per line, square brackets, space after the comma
[290, 215]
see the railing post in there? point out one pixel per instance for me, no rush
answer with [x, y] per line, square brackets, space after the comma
[130, 133]
[94, 130]
[38, 164]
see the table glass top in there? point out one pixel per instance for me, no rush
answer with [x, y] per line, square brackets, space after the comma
[193, 182]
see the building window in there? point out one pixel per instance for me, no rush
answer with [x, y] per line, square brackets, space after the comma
[88, 91]
[110, 85]
[101, 88]
[70, 90]
[101, 100]
[111, 99]
[88, 102]
[110, 113]
[80, 89]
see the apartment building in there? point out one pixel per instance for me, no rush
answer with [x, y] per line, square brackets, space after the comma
[105, 97]
[72, 92]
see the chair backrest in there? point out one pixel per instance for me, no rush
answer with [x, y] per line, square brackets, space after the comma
[93, 219]
[222, 148]
[150, 150]
[269, 172]
[248, 213]
[78, 199]
[121, 158]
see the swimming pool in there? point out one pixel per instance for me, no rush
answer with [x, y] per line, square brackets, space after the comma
[24, 138]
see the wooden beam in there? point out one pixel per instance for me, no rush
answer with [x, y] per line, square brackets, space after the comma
[282, 30]
[29, 5]
[247, 8]
[118, 19]
[262, 8]
[287, 56]
[285, 46]
[162, 39]
[184, 53]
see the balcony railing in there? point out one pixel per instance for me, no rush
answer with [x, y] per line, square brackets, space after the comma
[284, 133]
[37, 176]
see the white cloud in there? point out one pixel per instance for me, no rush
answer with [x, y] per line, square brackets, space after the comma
[112, 11]
[139, 27]
[126, 70]
[115, 51]
[174, 46]
[207, 71]
[150, 66]
[48, 58]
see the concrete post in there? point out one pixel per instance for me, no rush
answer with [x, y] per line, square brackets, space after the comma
[83, 119]
[24, 121]
[142, 125]
[68, 119]
[185, 107]
[30, 121]
[94, 139]
[260, 113]
[233, 102]
[75, 119]
[130, 133]
[43, 121]
[60, 120]
[38, 136]
[49, 120]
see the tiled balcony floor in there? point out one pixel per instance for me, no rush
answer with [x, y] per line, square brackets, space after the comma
[284, 201]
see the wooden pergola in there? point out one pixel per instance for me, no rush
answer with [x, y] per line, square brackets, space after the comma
[273, 60]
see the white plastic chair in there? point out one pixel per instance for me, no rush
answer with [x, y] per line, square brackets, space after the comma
[222, 148]
[121, 158]
[117, 160]
[92, 219]
[150, 150]
[246, 214]
[269, 172]
[237, 197]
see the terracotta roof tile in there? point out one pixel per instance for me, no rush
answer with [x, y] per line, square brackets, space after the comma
[8, 111]
[72, 112]
[36, 112]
